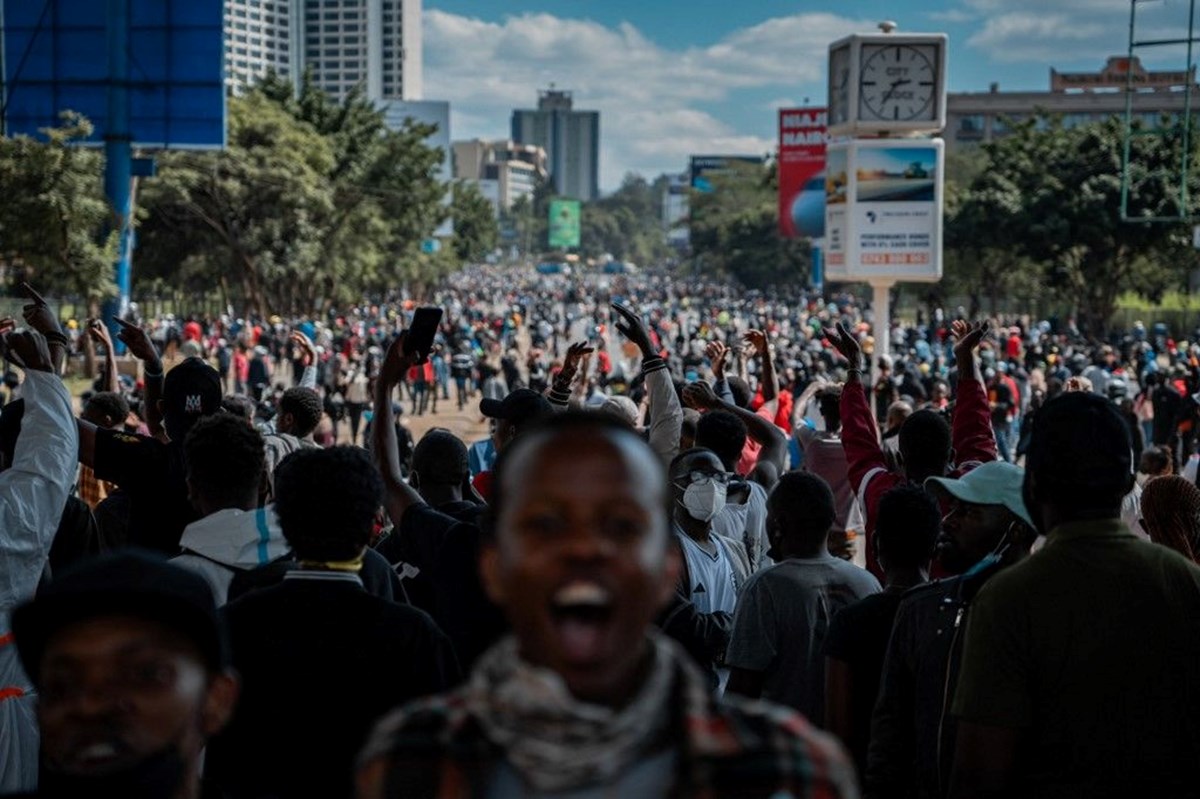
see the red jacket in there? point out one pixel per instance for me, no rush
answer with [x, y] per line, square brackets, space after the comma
[972, 437]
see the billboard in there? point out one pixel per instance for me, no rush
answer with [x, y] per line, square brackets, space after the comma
[802, 142]
[564, 224]
[703, 168]
[884, 205]
[56, 59]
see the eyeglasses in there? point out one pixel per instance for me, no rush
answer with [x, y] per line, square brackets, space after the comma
[696, 476]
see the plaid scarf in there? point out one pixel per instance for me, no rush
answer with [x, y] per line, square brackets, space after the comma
[556, 742]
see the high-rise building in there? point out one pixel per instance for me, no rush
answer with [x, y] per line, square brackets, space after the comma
[570, 138]
[260, 36]
[504, 170]
[375, 43]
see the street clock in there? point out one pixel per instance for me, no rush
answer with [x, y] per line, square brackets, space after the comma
[887, 83]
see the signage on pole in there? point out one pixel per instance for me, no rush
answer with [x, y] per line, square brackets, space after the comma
[802, 141]
[836, 183]
[885, 206]
[564, 224]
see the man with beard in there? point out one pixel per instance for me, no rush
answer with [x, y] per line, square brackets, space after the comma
[131, 668]
[586, 699]
[912, 733]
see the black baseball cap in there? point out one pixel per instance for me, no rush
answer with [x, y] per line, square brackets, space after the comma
[129, 582]
[519, 407]
[193, 388]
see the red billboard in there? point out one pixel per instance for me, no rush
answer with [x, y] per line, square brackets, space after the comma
[802, 140]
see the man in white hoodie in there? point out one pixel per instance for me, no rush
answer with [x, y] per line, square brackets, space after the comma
[225, 468]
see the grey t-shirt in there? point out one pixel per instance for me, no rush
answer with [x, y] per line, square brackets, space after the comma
[825, 457]
[782, 618]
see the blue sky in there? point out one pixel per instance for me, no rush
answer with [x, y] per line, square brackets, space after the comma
[678, 77]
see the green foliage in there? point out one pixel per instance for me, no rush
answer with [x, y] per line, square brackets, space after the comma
[313, 203]
[54, 215]
[1042, 219]
[627, 224]
[476, 232]
[734, 230]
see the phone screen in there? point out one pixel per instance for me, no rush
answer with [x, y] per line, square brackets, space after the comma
[422, 331]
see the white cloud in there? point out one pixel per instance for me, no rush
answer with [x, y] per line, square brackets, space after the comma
[953, 15]
[1062, 32]
[655, 102]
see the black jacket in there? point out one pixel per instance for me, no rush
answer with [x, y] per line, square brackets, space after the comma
[912, 732]
[321, 661]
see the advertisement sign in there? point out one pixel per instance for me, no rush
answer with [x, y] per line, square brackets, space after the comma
[55, 58]
[885, 197]
[704, 168]
[802, 142]
[836, 181]
[564, 224]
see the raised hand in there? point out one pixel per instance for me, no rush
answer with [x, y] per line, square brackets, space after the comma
[630, 325]
[577, 353]
[7, 325]
[138, 343]
[397, 362]
[98, 333]
[27, 349]
[700, 395]
[718, 356]
[967, 337]
[37, 313]
[846, 344]
[758, 340]
[305, 344]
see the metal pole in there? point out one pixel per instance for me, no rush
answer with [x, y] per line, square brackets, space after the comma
[118, 155]
[881, 304]
[818, 269]
[1128, 147]
[1187, 114]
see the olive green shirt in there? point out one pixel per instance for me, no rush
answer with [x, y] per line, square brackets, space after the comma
[1092, 647]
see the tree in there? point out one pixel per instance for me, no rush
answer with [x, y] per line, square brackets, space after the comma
[476, 232]
[313, 202]
[54, 215]
[735, 230]
[1049, 199]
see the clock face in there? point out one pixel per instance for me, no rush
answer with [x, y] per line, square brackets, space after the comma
[839, 85]
[898, 82]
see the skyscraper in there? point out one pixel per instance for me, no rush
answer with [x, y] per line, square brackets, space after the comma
[375, 43]
[260, 35]
[570, 138]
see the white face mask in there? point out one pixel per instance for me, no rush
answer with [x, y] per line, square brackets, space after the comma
[704, 500]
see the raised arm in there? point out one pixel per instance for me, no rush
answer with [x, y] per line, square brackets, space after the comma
[34, 488]
[559, 392]
[859, 433]
[718, 356]
[98, 333]
[399, 496]
[666, 414]
[39, 317]
[309, 378]
[774, 443]
[973, 437]
[140, 346]
[767, 380]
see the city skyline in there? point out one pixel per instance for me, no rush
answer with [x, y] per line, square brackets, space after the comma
[673, 79]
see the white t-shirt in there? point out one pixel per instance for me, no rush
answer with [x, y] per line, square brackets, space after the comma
[713, 587]
[747, 523]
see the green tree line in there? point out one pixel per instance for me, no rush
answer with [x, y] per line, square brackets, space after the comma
[311, 204]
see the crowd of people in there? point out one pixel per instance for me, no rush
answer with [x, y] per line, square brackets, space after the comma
[715, 545]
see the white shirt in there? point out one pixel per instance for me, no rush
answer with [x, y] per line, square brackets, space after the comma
[713, 587]
[33, 492]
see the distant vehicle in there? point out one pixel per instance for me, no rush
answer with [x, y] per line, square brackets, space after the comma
[916, 172]
[552, 268]
[619, 268]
